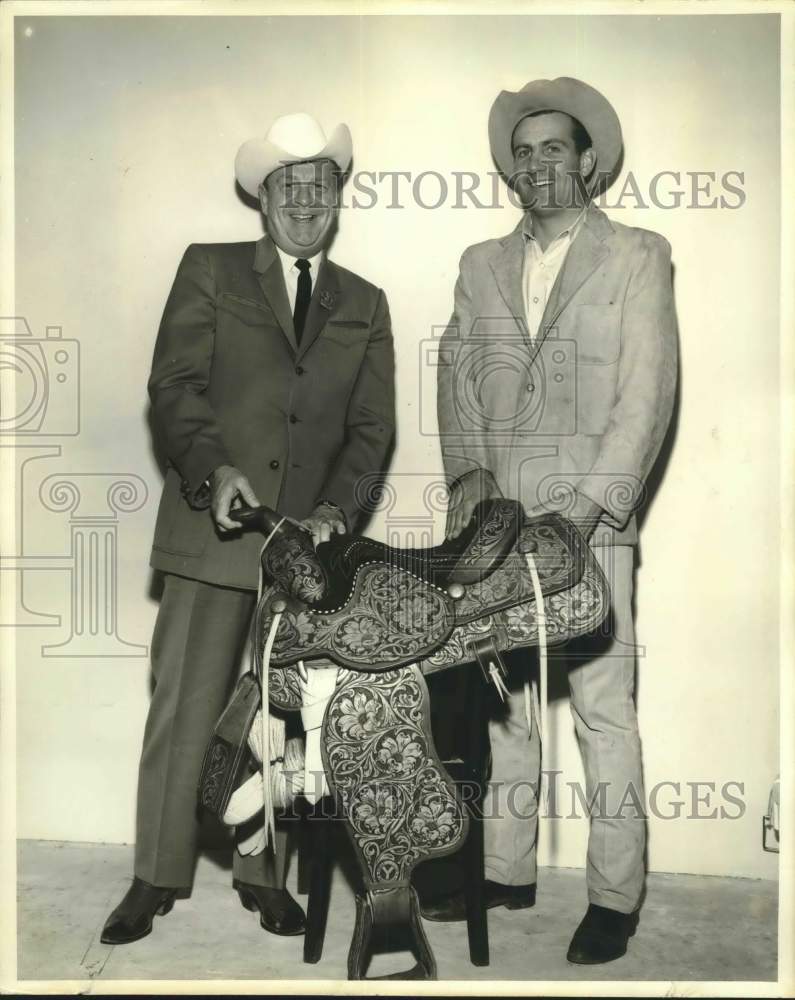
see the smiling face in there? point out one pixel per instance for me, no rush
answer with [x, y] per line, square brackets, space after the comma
[549, 170]
[300, 203]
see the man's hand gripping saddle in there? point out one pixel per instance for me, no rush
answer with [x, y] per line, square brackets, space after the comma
[387, 617]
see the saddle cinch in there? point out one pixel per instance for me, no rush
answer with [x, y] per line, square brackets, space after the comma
[388, 617]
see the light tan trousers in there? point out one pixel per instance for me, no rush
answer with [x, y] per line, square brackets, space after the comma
[601, 675]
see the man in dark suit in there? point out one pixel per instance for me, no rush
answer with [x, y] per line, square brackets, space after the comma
[273, 383]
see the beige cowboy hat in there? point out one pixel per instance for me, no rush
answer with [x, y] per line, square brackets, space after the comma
[295, 138]
[573, 97]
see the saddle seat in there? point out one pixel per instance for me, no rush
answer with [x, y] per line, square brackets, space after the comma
[481, 548]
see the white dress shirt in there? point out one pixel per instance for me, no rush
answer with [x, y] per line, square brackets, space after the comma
[291, 272]
[541, 268]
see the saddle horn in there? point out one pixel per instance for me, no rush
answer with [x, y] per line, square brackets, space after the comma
[288, 556]
[263, 519]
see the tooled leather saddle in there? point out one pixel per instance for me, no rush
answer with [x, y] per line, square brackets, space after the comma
[389, 616]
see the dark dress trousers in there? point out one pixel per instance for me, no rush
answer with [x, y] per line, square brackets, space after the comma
[230, 386]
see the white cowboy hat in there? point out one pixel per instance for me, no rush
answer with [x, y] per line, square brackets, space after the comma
[295, 138]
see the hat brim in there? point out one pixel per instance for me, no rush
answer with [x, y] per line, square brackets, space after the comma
[258, 158]
[567, 95]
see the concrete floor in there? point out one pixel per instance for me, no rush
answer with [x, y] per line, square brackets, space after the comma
[691, 928]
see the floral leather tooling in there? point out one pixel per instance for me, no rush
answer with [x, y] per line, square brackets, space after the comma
[388, 617]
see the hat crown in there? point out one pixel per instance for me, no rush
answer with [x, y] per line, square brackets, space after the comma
[293, 138]
[298, 134]
[569, 96]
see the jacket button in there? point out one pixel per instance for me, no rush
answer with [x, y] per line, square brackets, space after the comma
[293, 418]
[275, 463]
[299, 370]
[530, 387]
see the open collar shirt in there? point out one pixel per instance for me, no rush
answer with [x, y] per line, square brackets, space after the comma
[541, 268]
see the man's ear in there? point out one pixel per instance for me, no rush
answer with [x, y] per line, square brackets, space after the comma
[587, 162]
[263, 198]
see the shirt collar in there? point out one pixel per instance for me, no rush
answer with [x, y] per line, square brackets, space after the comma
[288, 260]
[572, 230]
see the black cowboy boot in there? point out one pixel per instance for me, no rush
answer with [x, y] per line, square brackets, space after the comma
[452, 906]
[132, 918]
[279, 912]
[602, 936]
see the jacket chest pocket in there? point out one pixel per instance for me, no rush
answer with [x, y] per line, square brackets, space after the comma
[235, 310]
[597, 333]
[346, 333]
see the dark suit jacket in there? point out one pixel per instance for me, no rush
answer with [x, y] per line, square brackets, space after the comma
[229, 386]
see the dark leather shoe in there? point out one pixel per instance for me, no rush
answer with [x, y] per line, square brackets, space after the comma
[453, 906]
[602, 936]
[132, 918]
[279, 912]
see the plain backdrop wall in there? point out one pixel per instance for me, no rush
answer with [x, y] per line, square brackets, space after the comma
[126, 132]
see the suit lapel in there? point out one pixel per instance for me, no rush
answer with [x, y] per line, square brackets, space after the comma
[508, 269]
[585, 254]
[326, 296]
[271, 281]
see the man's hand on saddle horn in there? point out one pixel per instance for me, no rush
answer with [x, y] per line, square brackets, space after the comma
[324, 521]
[228, 486]
[465, 494]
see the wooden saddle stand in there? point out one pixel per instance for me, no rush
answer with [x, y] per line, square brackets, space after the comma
[387, 617]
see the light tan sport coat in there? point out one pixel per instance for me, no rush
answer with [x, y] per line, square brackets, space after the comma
[586, 404]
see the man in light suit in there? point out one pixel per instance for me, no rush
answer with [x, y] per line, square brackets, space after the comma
[557, 378]
[273, 383]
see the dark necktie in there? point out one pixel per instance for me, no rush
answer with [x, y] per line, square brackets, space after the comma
[303, 295]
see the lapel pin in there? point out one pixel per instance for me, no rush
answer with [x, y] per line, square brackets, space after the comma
[326, 300]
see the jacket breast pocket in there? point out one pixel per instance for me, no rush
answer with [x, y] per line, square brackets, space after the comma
[236, 310]
[597, 332]
[347, 333]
